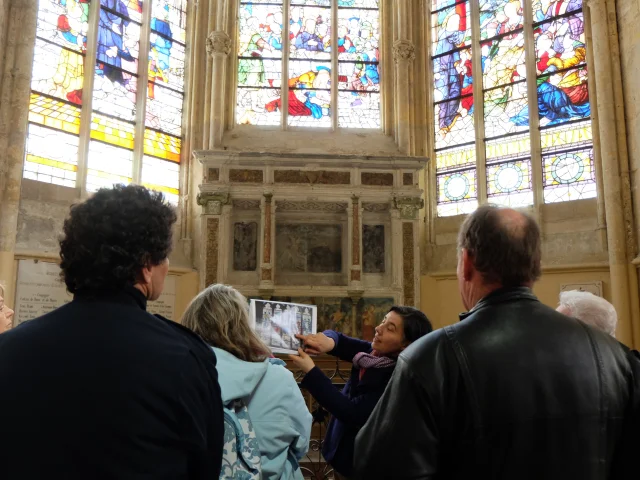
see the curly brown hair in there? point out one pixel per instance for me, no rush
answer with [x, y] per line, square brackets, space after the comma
[112, 236]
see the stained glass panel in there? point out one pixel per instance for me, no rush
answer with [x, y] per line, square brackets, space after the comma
[568, 176]
[130, 9]
[108, 165]
[164, 111]
[359, 3]
[161, 145]
[455, 158]
[358, 110]
[259, 106]
[113, 131]
[169, 19]
[310, 94]
[162, 177]
[508, 148]
[259, 73]
[310, 32]
[498, 17]
[64, 23]
[454, 122]
[546, 9]
[509, 184]
[569, 134]
[457, 192]
[317, 3]
[506, 110]
[114, 93]
[260, 30]
[503, 60]
[440, 4]
[359, 76]
[563, 97]
[560, 44]
[166, 62]
[118, 38]
[57, 72]
[51, 156]
[358, 34]
[451, 28]
[54, 113]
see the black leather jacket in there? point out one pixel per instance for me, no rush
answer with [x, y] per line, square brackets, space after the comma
[516, 391]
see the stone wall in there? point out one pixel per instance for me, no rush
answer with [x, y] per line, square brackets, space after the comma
[628, 13]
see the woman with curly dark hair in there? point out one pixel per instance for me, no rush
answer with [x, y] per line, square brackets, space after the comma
[99, 387]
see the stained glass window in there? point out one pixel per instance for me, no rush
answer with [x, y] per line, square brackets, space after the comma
[133, 109]
[324, 86]
[499, 134]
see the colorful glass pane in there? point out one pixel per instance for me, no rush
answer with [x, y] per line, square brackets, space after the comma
[568, 176]
[161, 145]
[358, 110]
[57, 72]
[310, 32]
[509, 184]
[560, 44]
[169, 19]
[164, 111]
[498, 17]
[113, 131]
[317, 3]
[114, 93]
[454, 122]
[506, 110]
[259, 106]
[546, 9]
[64, 23]
[108, 165]
[129, 9]
[310, 94]
[440, 4]
[51, 156]
[54, 113]
[162, 177]
[503, 60]
[355, 76]
[569, 134]
[166, 62]
[455, 158]
[563, 97]
[508, 148]
[451, 28]
[260, 31]
[118, 39]
[358, 34]
[457, 192]
[359, 3]
[259, 73]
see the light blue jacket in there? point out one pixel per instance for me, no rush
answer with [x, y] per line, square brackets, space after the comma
[277, 409]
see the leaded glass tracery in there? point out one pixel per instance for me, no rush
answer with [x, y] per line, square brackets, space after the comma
[66, 31]
[325, 86]
[562, 102]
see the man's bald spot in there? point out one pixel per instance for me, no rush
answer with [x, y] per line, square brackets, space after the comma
[513, 222]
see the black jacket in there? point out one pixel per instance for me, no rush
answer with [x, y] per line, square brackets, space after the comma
[350, 408]
[101, 389]
[515, 391]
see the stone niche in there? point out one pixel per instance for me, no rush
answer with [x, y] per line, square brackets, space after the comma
[337, 231]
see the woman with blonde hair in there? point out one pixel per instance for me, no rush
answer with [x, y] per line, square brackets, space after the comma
[252, 382]
[6, 314]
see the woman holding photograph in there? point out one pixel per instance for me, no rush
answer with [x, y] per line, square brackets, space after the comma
[373, 364]
[253, 383]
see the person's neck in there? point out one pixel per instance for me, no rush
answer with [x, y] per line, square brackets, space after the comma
[480, 291]
[144, 289]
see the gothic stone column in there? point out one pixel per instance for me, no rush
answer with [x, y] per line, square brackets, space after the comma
[218, 47]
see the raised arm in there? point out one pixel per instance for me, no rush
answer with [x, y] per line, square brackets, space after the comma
[346, 347]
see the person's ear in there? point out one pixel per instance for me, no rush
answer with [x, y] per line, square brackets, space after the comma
[145, 275]
[467, 265]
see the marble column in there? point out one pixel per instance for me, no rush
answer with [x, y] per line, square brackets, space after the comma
[268, 235]
[17, 59]
[396, 246]
[408, 208]
[624, 282]
[355, 246]
[213, 254]
[218, 47]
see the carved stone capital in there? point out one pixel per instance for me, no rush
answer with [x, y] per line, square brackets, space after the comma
[408, 206]
[404, 50]
[213, 202]
[218, 43]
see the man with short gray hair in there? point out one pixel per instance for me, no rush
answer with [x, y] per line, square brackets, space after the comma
[589, 308]
[515, 390]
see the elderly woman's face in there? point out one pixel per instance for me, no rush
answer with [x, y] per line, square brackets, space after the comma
[6, 316]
